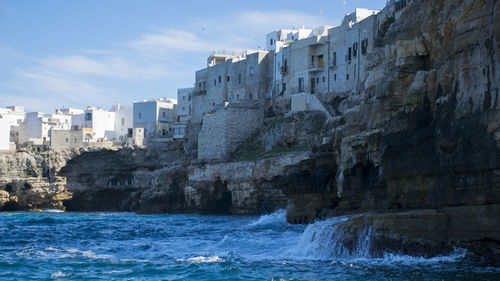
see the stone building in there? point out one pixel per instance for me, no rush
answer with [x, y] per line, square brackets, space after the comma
[156, 117]
[64, 139]
[242, 76]
[226, 128]
[228, 99]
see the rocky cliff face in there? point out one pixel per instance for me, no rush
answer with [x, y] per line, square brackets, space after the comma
[422, 133]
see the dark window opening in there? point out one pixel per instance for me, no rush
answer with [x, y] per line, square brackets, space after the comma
[354, 49]
[88, 116]
[301, 85]
[364, 46]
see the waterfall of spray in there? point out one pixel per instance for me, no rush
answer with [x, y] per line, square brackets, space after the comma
[329, 239]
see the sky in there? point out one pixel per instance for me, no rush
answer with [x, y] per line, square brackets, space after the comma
[59, 53]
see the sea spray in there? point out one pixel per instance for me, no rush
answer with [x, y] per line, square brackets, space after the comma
[276, 218]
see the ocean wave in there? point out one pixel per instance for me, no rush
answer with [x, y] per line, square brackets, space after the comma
[72, 252]
[53, 211]
[326, 240]
[58, 274]
[202, 259]
[457, 255]
[276, 218]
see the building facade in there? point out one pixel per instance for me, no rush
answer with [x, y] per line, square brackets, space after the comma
[156, 117]
[183, 112]
[124, 122]
[36, 126]
[4, 134]
[102, 123]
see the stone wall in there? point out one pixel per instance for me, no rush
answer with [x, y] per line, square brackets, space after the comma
[224, 130]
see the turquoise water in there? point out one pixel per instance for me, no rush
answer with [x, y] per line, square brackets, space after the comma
[125, 246]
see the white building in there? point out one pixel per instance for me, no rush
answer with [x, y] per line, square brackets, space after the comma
[4, 134]
[102, 122]
[14, 116]
[69, 111]
[155, 116]
[36, 126]
[183, 112]
[124, 121]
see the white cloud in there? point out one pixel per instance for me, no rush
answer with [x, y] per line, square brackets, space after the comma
[118, 67]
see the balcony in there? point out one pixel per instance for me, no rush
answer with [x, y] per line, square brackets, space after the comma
[316, 66]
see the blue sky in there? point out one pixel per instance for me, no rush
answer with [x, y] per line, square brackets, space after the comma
[56, 53]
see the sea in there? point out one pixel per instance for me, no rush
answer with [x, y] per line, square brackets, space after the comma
[53, 245]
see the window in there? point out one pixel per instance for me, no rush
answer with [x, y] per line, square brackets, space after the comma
[74, 140]
[213, 104]
[183, 97]
[283, 87]
[163, 114]
[183, 108]
[204, 85]
[215, 82]
[284, 69]
[238, 96]
[239, 78]
[219, 79]
[140, 115]
[228, 78]
[251, 97]
[199, 86]
[323, 79]
[354, 49]
[317, 80]
[320, 61]
[301, 85]
[364, 46]
[347, 77]
[349, 51]
[334, 58]
[67, 140]
[123, 121]
[88, 116]
[271, 42]
[189, 98]
[334, 77]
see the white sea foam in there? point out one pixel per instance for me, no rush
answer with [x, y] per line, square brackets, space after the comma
[53, 211]
[202, 259]
[58, 274]
[276, 218]
[325, 240]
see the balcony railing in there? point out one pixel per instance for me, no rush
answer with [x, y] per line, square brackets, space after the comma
[316, 66]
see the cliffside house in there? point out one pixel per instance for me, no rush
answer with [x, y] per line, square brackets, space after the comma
[155, 116]
[183, 112]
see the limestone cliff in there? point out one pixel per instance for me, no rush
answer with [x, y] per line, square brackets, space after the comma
[422, 133]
